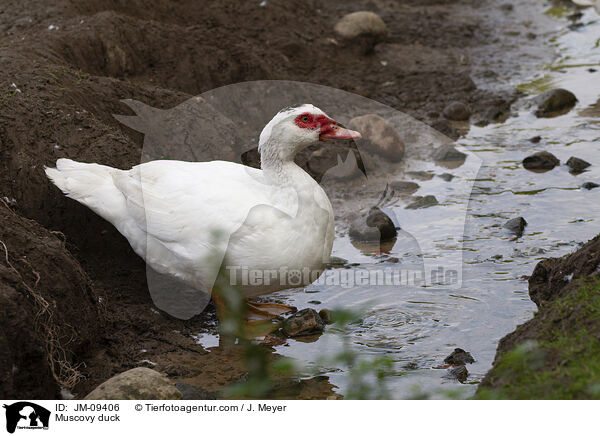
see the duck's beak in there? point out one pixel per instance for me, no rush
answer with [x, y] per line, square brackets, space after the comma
[333, 131]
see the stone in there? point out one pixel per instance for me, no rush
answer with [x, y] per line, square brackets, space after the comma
[457, 111]
[136, 384]
[337, 262]
[446, 176]
[535, 139]
[542, 160]
[553, 102]
[274, 339]
[447, 153]
[361, 30]
[590, 185]
[404, 187]
[459, 357]
[326, 315]
[420, 175]
[303, 323]
[378, 136]
[460, 373]
[577, 165]
[423, 202]
[376, 227]
[516, 225]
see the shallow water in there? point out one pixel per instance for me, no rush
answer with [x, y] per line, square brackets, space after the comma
[418, 326]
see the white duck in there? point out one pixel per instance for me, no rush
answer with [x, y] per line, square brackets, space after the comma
[188, 220]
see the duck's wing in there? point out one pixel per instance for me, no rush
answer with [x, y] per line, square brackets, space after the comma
[180, 216]
[190, 208]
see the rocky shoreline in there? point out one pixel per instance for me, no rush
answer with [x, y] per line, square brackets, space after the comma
[555, 354]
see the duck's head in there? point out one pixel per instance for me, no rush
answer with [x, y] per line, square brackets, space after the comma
[297, 127]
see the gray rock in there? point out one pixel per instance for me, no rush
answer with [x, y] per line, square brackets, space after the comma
[404, 187]
[326, 316]
[577, 165]
[378, 136]
[274, 339]
[459, 357]
[516, 225]
[136, 384]
[535, 139]
[497, 111]
[444, 126]
[457, 111]
[376, 227]
[553, 102]
[447, 153]
[423, 202]
[337, 262]
[460, 373]
[420, 175]
[446, 176]
[590, 185]
[302, 323]
[542, 160]
[361, 30]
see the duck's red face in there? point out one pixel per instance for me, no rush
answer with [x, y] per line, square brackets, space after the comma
[328, 128]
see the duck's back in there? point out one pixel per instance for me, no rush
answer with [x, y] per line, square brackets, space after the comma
[183, 218]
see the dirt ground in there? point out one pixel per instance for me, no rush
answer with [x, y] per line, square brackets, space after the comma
[66, 65]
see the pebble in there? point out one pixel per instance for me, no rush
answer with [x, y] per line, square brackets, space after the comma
[516, 225]
[577, 165]
[554, 101]
[326, 316]
[362, 30]
[447, 153]
[542, 160]
[378, 136]
[403, 187]
[420, 175]
[446, 176]
[375, 227]
[590, 185]
[423, 202]
[274, 339]
[459, 357]
[302, 323]
[460, 373]
[457, 111]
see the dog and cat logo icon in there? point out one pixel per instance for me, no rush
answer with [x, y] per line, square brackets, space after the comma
[26, 415]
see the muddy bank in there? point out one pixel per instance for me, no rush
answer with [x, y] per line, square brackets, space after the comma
[67, 64]
[49, 311]
[555, 354]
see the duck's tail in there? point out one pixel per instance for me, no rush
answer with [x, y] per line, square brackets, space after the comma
[90, 184]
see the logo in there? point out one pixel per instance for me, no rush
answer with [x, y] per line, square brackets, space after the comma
[26, 415]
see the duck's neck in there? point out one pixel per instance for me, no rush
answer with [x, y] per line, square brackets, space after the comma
[278, 170]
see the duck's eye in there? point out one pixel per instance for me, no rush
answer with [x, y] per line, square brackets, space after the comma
[305, 119]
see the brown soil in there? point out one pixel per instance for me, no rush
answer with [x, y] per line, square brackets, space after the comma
[73, 61]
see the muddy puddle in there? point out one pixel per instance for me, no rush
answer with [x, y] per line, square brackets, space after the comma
[417, 326]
